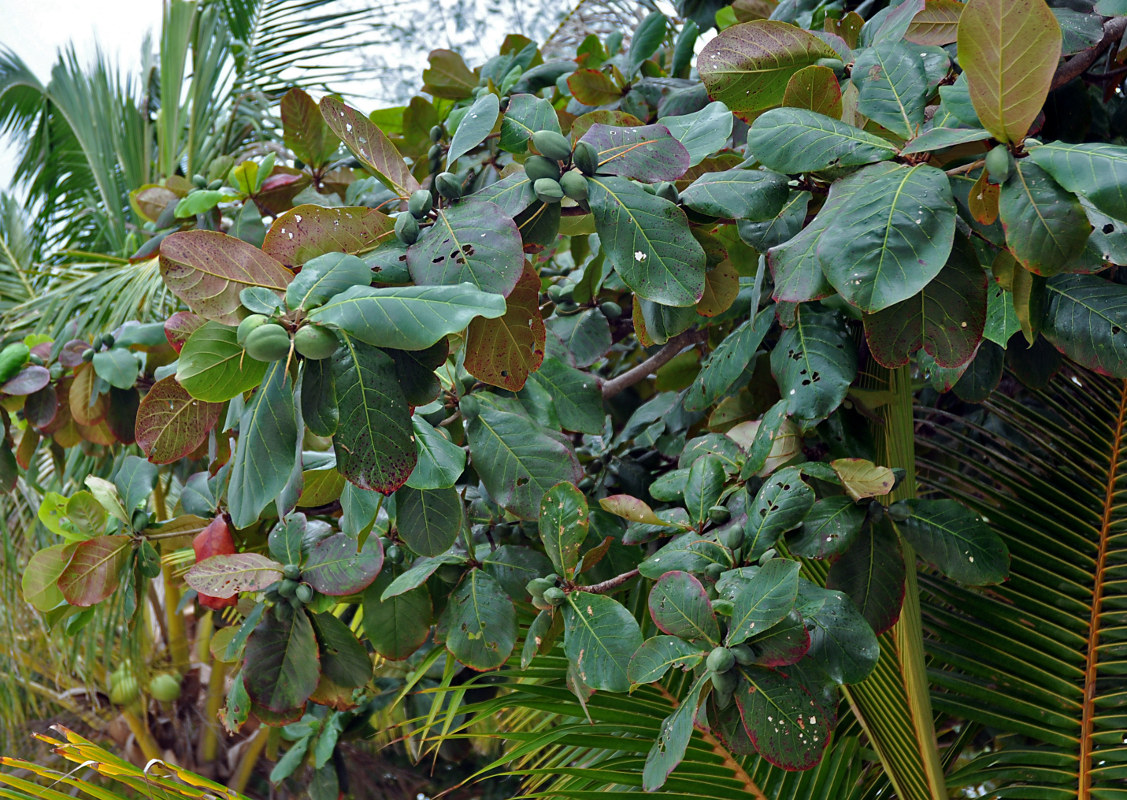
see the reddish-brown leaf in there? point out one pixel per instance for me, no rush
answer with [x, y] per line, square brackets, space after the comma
[171, 423]
[593, 88]
[92, 574]
[214, 540]
[505, 351]
[309, 231]
[180, 326]
[369, 144]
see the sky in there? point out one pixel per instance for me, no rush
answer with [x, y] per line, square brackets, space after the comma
[36, 29]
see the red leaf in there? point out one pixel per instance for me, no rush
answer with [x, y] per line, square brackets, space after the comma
[215, 540]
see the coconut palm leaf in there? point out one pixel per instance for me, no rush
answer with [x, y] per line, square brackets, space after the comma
[1040, 660]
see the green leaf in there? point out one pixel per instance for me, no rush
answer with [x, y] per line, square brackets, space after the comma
[304, 131]
[448, 76]
[871, 573]
[472, 241]
[584, 337]
[563, 526]
[373, 442]
[286, 539]
[703, 487]
[406, 317]
[524, 115]
[1097, 171]
[324, 277]
[514, 566]
[814, 364]
[41, 574]
[938, 138]
[369, 144]
[575, 396]
[214, 367]
[648, 153]
[1008, 50]
[344, 661]
[282, 664]
[227, 575]
[417, 574]
[785, 644]
[753, 194]
[779, 506]
[517, 459]
[264, 455]
[645, 40]
[956, 541]
[702, 132]
[477, 123]
[794, 140]
[207, 270]
[429, 520]
[764, 600]
[600, 638]
[689, 552]
[657, 655]
[307, 231]
[337, 567]
[648, 240]
[440, 461]
[727, 363]
[94, 569]
[480, 622]
[841, 641]
[117, 367]
[673, 739]
[946, 318]
[171, 423]
[679, 606]
[892, 87]
[396, 626]
[747, 66]
[1086, 320]
[892, 239]
[788, 725]
[1001, 319]
[1046, 226]
[319, 408]
[512, 194]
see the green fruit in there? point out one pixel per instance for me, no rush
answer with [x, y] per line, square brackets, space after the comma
[574, 185]
[610, 309]
[714, 571]
[288, 587]
[315, 342]
[448, 185]
[435, 152]
[304, 593]
[548, 190]
[541, 603]
[406, 229]
[292, 571]
[732, 538]
[723, 607]
[269, 342]
[56, 371]
[586, 157]
[395, 554]
[165, 688]
[538, 586]
[215, 184]
[743, 654]
[725, 682]
[36, 360]
[125, 690]
[420, 203]
[435, 133]
[554, 596]
[200, 181]
[12, 358]
[999, 162]
[720, 659]
[552, 145]
[719, 515]
[537, 167]
[248, 325]
[667, 191]
[88, 355]
[140, 519]
[835, 64]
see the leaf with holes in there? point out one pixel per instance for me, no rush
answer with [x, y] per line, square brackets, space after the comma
[779, 506]
[480, 622]
[788, 725]
[679, 606]
[1045, 225]
[1086, 320]
[794, 140]
[214, 367]
[94, 570]
[370, 144]
[648, 241]
[504, 351]
[307, 231]
[336, 567]
[470, 242]
[672, 740]
[226, 575]
[1008, 50]
[600, 638]
[429, 521]
[283, 662]
[956, 541]
[171, 423]
[648, 153]
[894, 237]
[764, 600]
[747, 66]
[207, 270]
[563, 526]
[814, 364]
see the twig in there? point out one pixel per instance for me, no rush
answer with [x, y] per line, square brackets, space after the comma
[1079, 63]
[967, 167]
[653, 363]
[450, 420]
[609, 583]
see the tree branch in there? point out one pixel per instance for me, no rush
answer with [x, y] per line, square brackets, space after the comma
[653, 363]
[608, 584]
[1076, 66]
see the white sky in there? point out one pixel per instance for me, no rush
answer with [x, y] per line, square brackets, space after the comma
[36, 29]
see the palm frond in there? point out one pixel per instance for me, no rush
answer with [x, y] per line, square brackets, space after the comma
[1040, 660]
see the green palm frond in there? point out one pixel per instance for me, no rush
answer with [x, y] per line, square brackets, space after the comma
[1040, 660]
[556, 754]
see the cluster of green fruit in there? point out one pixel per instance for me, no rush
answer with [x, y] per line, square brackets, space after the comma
[201, 183]
[550, 183]
[546, 593]
[267, 340]
[125, 690]
[721, 662]
[419, 205]
[291, 587]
